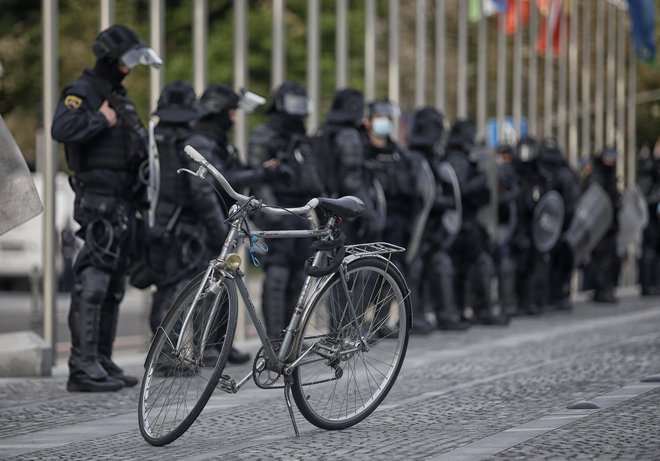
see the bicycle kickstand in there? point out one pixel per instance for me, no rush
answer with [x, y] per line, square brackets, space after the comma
[287, 391]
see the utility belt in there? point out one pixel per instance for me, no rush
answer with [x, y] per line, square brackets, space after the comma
[104, 182]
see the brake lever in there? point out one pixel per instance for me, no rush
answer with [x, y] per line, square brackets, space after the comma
[200, 173]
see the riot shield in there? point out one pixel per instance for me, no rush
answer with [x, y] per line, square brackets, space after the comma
[633, 218]
[18, 195]
[593, 216]
[426, 191]
[153, 188]
[452, 220]
[547, 221]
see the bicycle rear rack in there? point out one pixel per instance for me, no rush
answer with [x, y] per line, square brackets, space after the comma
[374, 248]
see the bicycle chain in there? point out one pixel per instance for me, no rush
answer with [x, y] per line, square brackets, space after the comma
[338, 371]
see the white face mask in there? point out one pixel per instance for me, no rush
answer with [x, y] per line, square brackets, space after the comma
[382, 127]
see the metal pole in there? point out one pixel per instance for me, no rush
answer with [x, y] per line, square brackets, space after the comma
[586, 79]
[482, 69]
[107, 14]
[240, 72]
[461, 77]
[420, 53]
[547, 80]
[278, 58]
[440, 55]
[517, 70]
[501, 75]
[50, 78]
[599, 76]
[631, 157]
[313, 56]
[341, 55]
[370, 50]
[532, 107]
[394, 68]
[200, 36]
[157, 33]
[621, 92]
[573, 88]
[561, 92]
[611, 76]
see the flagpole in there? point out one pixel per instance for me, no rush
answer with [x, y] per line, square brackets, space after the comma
[461, 93]
[561, 96]
[611, 75]
[621, 92]
[547, 80]
[586, 79]
[517, 70]
[573, 88]
[482, 70]
[599, 77]
[501, 75]
[420, 53]
[440, 55]
[532, 87]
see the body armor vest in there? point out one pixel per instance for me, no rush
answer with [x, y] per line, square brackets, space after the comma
[174, 188]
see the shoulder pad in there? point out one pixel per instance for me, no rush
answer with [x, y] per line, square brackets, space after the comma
[79, 92]
[203, 144]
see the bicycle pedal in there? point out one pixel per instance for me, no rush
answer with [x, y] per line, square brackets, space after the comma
[227, 384]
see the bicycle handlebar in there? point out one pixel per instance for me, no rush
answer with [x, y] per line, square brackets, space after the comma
[268, 209]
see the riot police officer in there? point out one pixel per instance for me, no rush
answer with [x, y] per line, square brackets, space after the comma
[281, 143]
[649, 263]
[105, 145]
[219, 105]
[564, 180]
[431, 274]
[507, 195]
[177, 239]
[531, 268]
[470, 252]
[394, 167]
[339, 146]
[604, 260]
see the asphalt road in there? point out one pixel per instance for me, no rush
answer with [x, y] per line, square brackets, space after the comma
[490, 393]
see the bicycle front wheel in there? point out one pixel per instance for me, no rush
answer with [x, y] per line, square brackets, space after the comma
[186, 358]
[352, 360]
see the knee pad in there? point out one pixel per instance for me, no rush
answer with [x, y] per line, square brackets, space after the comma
[93, 285]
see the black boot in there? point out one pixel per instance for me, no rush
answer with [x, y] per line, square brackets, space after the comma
[117, 373]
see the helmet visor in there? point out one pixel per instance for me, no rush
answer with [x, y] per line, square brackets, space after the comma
[142, 55]
[384, 109]
[295, 104]
[250, 101]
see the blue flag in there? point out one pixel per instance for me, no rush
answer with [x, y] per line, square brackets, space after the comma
[642, 18]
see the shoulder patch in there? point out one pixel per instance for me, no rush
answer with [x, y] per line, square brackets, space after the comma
[72, 102]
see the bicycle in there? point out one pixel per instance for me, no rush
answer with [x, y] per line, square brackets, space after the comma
[340, 354]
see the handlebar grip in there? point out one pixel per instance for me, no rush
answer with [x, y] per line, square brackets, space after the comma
[193, 154]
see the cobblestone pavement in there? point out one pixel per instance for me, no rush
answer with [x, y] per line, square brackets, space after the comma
[459, 396]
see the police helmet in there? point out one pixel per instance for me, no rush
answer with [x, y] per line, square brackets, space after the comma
[290, 98]
[609, 156]
[347, 106]
[549, 148]
[526, 149]
[177, 103]
[382, 108]
[120, 43]
[428, 128]
[217, 99]
[462, 135]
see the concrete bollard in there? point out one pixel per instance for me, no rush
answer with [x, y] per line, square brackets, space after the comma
[24, 353]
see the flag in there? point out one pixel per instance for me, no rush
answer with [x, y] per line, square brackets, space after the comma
[475, 10]
[642, 18]
[512, 17]
[491, 7]
[553, 12]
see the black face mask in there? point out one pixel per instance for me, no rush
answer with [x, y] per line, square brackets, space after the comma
[108, 70]
[287, 124]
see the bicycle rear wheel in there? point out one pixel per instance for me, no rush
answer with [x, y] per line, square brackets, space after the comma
[341, 381]
[186, 358]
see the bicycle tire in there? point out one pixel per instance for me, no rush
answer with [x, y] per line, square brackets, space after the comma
[177, 385]
[323, 394]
